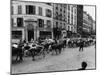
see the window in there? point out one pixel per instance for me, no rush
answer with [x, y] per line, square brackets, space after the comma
[12, 10]
[48, 13]
[40, 11]
[19, 9]
[56, 8]
[69, 7]
[72, 29]
[64, 18]
[72, 9]
[30, 9]
[16, 34]
[12, 22]
[68, 19]
[41, 23]
[60, 17]
[44, 34]
[56, 24]
[64, 11]
[60, 25]
[64, 25]
[56, 15]
[65, 7]
[20, 22]
[72, 18]
[75, 11]
[48, 23]
[75, 22]
[61, 9]
[68, 28]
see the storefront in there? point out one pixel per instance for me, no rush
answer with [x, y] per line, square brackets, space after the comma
[57, 33]
[69, 34]
[86, 34]
[45, 34]
[17, 35]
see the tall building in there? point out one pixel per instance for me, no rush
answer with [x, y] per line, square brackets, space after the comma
[31, 20]
[71, 20]
[87, 24]
[93, 32]
[94, 28]
[65, 18]
[79, 19]
[59, 18]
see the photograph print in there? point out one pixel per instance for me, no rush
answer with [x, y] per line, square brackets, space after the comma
[52, 37]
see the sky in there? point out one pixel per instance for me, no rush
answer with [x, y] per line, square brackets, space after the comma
[90, 10]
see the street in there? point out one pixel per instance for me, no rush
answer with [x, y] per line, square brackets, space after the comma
[69, 59]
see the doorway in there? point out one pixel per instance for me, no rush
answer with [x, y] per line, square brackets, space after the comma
[30, 35]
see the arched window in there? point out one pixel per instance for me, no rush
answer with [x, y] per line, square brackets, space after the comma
[48, 13]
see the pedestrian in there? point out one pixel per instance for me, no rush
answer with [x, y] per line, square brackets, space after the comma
[81, 45]
[20, 52]
[84, 65]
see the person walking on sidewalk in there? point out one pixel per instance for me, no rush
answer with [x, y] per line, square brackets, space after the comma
[81, 45]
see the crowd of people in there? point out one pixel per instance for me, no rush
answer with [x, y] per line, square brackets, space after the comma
[38, 47]
[41, 47]
[44, 46]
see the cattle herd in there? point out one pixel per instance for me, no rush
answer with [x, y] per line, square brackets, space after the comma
[47, 46]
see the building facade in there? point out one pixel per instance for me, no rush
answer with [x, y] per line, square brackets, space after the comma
[80, 19]
[59, 19]
[31, 20]
[94, 28]
[71, 20]
[87, 24]
[65, 18]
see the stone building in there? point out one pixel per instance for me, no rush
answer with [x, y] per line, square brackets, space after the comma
[65, 18]
[31, 20]
[87, 24]
[71, 20]
[79, 19]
